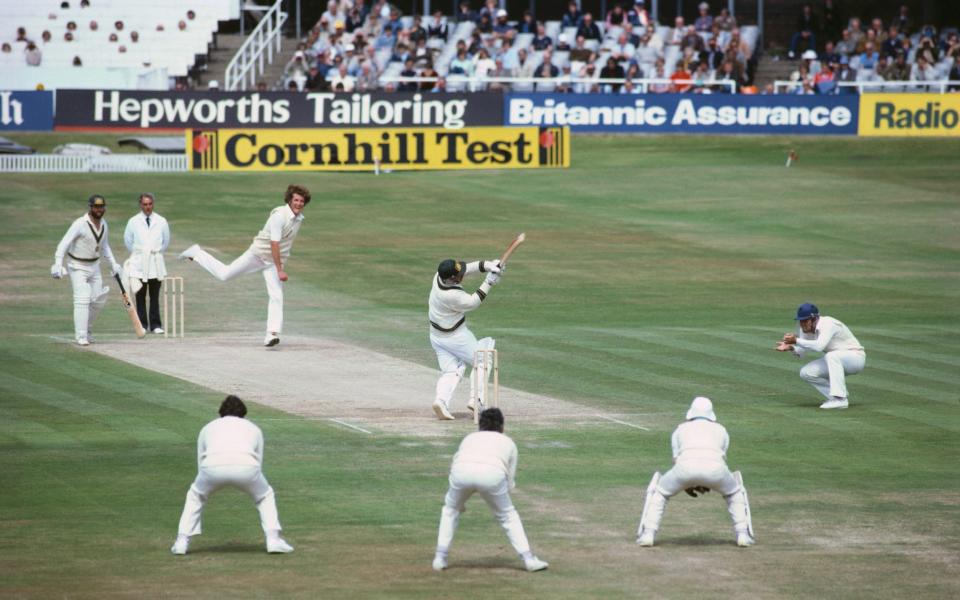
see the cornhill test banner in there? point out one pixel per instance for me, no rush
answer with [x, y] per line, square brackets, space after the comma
[372, 149]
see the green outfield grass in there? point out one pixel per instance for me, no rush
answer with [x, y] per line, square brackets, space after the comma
[655, 269]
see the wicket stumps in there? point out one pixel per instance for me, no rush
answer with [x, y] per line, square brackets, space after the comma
[172, 290]
[487, 360]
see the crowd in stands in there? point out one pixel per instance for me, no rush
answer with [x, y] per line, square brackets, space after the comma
[367, 44]
[833, 49]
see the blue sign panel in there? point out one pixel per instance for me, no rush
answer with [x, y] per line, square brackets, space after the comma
[26, 111]
[685, 113]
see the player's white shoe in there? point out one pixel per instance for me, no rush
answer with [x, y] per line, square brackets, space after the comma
[189, 253]
[535, 564]
[278, 546]
[158, 330]
[82, 341]
[180, 546]
[439, 563]
[271, 340]
[835, 403]
[646, 538]
[441, 411]
[744, 540]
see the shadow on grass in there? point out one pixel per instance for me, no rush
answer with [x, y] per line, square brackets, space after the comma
[487, 564]
[696, 541]
[230, 549]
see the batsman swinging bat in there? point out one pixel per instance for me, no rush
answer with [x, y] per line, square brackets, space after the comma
[131, 311]
[513, 246]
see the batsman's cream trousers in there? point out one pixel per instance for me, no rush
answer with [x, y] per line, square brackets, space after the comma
[246, 478]
[710, 473]
[89, 295]
[828, 373]
[491, 483]
[456, 350]
[250, 263]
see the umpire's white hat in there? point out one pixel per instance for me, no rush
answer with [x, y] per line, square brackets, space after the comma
[701, 408]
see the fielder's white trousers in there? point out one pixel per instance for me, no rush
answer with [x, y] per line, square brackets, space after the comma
[709, 473]
[456, 350]
[246, 478]
[491, 483]
[89, 295]
[248, 262]
[828, 373]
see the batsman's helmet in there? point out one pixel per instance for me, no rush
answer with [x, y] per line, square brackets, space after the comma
[807, 311]
[451, 268]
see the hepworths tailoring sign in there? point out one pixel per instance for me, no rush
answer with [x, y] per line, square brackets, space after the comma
[26, 111]
[371, 149]
[685, 113]
[910, 115]
[95, 109]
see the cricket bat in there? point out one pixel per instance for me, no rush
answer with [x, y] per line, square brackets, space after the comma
[513, 246]
[131, 311]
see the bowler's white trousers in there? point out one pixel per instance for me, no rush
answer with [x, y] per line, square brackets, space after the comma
[248, 262]
[89, 295]
[491, 483]
[691, 472]
[247, 478]
[455, 350]
[828, 373]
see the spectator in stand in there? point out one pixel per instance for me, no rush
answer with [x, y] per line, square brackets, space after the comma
[114, 37]
[830, 54]
[438, 27]
[71, 26]
[507, 54]
[296, 71]
[846, 46]
[541, 41]
[623, 50]
[891, 44]
[484, 25]
[646, 51]
[547, 69]
[33, 55]
[638, 16]
[922, 70]
[704, 22]
[632, 35]
[46, 37]
[630, 88]
[612, 70]
[489, 9]
[461, 63]
[955, 73]
[691, 40]
[182, 25]
[476, 42]
[342, 79]
[134, 37]
[869, 57]
[805, 37]
[680, 80]
[869, 38]
[527, 23]
[588, 29]
[563, 44]
[118, 25]
[824, 80]
[950, 47]
[712, 55]
[401, 54]
[6, 48]
[845, 75]
[580, 52]
[856, 32]
[77, 62]
[634, 72]
[502, 27]
[730, 71]
[702, 78]
[679, 30]
[68, 36]
[725, 21]
[897, 69]
[331, 16]
[416, 32]
[902, 20]
[832, 21]
[368, 78]
[498, 72]
[660, 74]
[483, 65]
[806, 89]
[876, 26]
[354, 21]
[465, 14]
[928, 50]
[429, 71]
[408, 71]
[422, 55]
[94, 26]
[573, 16]
[525, 68]
[616, 16]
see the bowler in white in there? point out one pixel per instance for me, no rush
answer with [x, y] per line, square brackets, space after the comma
[147, 236]
[230, 454]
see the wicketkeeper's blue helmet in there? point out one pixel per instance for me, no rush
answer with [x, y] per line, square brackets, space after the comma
[807, 311]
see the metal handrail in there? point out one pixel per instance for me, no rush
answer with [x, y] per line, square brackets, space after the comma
[477, 83]
[248, 63]
[926, 86]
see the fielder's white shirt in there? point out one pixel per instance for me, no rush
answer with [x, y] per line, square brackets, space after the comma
[230, 441]
[830, 335]
[282, 227]
[490, 448]
[699, 439]
[146, 244]
[448, 303]
[85, 242]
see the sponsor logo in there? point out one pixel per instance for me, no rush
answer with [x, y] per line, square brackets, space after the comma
[370, 149]
[11, 111]
[26, 111]
[734, 114]
[909, 115]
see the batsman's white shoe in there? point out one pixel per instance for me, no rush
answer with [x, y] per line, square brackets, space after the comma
[646, 538]
[835, 403]
[82, 341]
[279, 546]
[744, 540]
[189, 253]
[535, 564]
[441, 411]
[158, 330]
[90, 337]
[180, 546]
[439, 563]
[271, 340]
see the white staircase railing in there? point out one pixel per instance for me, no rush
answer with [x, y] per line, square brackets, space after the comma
[257, 50]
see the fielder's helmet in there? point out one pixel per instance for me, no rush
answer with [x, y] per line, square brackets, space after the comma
[807, 311]
[97, 200]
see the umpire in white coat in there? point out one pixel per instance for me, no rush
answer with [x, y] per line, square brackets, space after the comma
[699, 457]
[230, 454]
[147, 236]
[450, 337]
